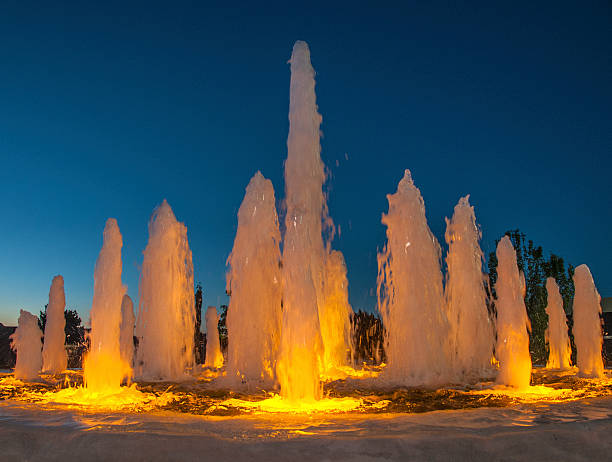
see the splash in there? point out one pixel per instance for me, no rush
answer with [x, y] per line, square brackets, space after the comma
[466, 299]
[335, 318]
[556, 332]
[126, 330]
[214, 357]
[103, 367]
[303, 250]
[254, 282]
[54, 353]
[410, 294]
[587, 324]
[166, 311]
[512, 349]
[26, 342]
[276, 404]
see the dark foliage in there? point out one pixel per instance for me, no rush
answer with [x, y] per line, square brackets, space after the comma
[198, 337]
[368, 338]
[73, 329]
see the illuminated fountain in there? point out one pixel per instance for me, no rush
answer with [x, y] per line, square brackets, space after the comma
[166, 311]
[335, 318]
[559, 355]
[410, 294]
[587, 324]
[303, 250]
[103, 367]
[126, 330]
[26, 341]
[254, 282]
[214, 357]
[512, 349]
[473, 335]
[54, 353]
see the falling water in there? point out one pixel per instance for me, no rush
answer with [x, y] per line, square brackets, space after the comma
[587, 324]
[254, 282]
[166, 312]
[466, 298]
[335, 318]
[512, 349]
[556, 332]
[26, 342]
[103, 367]
[303, 250]
[126, 331]
[214, 357]
[410, 293]
[54, 353]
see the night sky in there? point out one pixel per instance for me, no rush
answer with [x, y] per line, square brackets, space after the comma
[107, 109]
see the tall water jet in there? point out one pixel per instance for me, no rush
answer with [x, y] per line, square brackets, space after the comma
[560, 350]
[410, 294]
[587, 324]
[303, 250]
[513, 325]
[472, 331]
[335, 316]
[126, 330]
[26, 341]
[254, 282]
[54, 353]
[214, 357]
[103, 367]
[166, 312]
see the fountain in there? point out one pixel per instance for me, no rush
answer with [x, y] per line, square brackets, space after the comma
[103, 368]
[558, 340]
[26, 341]
[512, 349]
[254, 282]
[587, 324]
[410, 294]
[303, 251]
[335, 318]
[126, 330]
[214, 357]
[473, 335]
[54, 353]
[166, 311]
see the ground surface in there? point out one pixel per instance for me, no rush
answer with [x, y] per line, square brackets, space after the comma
[577, 430]
[562, 418]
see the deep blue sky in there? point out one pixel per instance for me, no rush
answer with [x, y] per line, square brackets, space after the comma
[107, 109]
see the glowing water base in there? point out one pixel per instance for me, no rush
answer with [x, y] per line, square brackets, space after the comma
[451, 342]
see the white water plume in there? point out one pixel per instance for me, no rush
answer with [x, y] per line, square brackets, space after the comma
[26, 341]
[410, 293]
[472, 330]
[166, 311]
[587, 324]
[54, 353]
[559, 355]
[254, 282]
[103, 367]
[512, 350]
